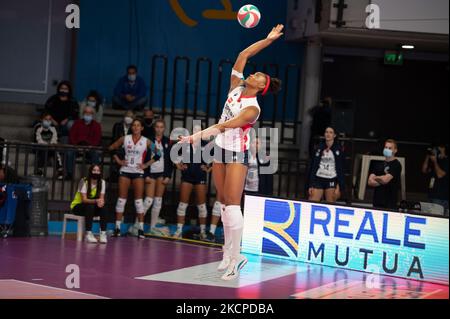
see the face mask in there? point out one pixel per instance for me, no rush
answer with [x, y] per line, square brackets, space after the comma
[128, 120]
[95, 176]
[387, 152]
[63, 93]
[91, 103]
[88, 118]
[132, 77]
[46, 123]
[148, 121]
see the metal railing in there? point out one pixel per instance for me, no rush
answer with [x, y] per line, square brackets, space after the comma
[22, 158]
[196, 95]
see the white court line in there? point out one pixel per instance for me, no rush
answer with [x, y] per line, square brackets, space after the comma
[430, 294]
[55, 288]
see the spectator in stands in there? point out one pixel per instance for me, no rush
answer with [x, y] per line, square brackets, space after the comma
[149, 130]
[326, 170]
[436, 166]
[321, 119]
[84, 132]
[89, 201]
[386, 178]
[64, 110]
[123, 127]
[46, 134]
[129, 93]
[93, 99]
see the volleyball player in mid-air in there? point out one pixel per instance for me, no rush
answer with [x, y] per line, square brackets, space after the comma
[230, 164]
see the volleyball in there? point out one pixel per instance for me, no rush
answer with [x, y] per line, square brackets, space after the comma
[249, 16]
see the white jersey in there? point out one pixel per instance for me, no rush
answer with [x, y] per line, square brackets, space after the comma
[327, 166]
[134, 154]
[158, 167]
[237, 139]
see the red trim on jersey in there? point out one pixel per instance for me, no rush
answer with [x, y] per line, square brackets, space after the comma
[244, 137]
[144, 155]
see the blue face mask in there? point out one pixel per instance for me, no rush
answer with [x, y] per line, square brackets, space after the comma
[132, 77]
[88, 118]
[46, 123]
[387, 152]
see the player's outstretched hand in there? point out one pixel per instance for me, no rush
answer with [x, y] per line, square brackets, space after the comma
[276, 33]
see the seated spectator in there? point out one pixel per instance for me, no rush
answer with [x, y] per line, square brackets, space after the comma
[123, 127]
[63, 109]
[130, 91]
[45, 134]
[84, 132]
[89, 201]
[149, 130]
[93, 99]
[386, 178]
[436, 166]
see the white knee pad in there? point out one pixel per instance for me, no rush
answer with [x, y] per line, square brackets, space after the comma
[217, 209]
[181, 210]
[120, 205]
[139, 204]
[202, 211]
[157, 203]
[148, 203]
[234, 218]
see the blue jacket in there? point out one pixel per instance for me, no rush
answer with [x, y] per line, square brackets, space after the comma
[123, 87]
[339, 157]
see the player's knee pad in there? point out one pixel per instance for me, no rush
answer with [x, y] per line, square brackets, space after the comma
[202, 211]
[139, 204]
[234, 218]
[217, 209]
[181, 210]
[120, 205]
[157, 203]
[148, 203]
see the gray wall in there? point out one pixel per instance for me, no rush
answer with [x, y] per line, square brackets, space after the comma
[34, 54]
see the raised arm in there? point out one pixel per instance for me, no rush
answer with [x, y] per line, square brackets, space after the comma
[239, 65]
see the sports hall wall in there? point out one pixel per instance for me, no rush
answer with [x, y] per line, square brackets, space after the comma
[115, 33]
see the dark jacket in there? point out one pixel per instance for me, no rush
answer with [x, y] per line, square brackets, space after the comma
[61, 110]
[123, 88]
[118, 131]
[339, 160]
[167, 146]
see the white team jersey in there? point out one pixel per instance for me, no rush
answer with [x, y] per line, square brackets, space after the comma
[327, 166]
[158, 167]
[237, 139]
[134, 154]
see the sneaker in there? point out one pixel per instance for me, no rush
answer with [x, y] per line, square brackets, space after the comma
[234, 268]
[178, 234]
[161, 221]
[133, 230]
[159, 231]
[224, 263]
[103, 237]
[90, 238]
[116, 232]
[209, 237]
[140, 234]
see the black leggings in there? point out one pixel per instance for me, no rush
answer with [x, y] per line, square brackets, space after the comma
[89, 211]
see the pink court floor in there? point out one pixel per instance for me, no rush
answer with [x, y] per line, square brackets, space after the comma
[35, 268]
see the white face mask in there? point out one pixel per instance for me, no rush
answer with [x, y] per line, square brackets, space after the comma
[91, 103]
[128, 120]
